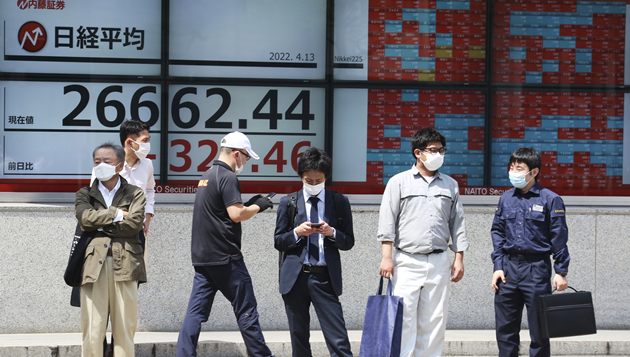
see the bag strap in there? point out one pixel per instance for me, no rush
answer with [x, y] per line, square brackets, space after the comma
[91, 197]
[338, 198]
[292, 212]
[292, 206]
[380, 287]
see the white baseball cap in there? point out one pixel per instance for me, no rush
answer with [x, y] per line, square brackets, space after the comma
[238, 140]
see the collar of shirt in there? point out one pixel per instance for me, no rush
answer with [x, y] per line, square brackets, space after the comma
[141, 175]
[534, 190]
[224, 164]
[134, 167]
[138, 175]
[415, 171]
[107, 194]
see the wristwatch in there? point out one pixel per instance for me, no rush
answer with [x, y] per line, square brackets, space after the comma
[563, 273]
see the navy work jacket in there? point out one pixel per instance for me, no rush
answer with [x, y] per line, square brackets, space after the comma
[527, 223]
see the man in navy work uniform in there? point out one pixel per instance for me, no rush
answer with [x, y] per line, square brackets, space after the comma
[216, 249]
[311, 271]
[528, 226]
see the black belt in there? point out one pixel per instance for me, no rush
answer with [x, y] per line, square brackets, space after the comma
[314, 269]
[435, 251]
[528, 257]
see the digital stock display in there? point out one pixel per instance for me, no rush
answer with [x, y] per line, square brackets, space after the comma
[559, 42]
[280, 122]
[579, 135]
[357, 78]
[386, 119]
[427, 41]
[53, 141]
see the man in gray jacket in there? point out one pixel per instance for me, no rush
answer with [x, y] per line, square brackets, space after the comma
[114, 264]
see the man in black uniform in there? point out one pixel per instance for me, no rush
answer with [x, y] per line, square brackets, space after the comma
[216, 249]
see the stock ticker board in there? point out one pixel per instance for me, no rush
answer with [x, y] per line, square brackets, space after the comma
[394, 115]
[579, 136]
[559, 42]
[423, 40]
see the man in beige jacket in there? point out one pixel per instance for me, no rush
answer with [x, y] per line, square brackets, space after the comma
[114, 263]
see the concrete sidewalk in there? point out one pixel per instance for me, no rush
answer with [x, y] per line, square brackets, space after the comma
[228, 344]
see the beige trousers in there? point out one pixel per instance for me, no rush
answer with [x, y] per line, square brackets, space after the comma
[422, 281]
[104, 297]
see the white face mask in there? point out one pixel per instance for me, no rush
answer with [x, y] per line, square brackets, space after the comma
[104, 172]
[314, 190]
[518, 180]
[434, 161]
[143, 150]
[238, 169]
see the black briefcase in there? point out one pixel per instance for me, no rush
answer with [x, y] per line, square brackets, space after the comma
[569, 314]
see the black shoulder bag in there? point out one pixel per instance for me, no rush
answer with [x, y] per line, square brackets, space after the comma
[74, 270]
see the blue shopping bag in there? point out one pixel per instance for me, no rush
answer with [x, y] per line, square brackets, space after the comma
[382, 327]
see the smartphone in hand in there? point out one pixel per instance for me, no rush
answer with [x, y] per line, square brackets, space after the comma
[270, 196]
[316, 225]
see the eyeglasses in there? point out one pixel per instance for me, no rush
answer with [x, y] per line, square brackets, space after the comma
[247, 157]
[442, 151]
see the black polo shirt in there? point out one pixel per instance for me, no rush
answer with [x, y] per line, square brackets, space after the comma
[215, 237]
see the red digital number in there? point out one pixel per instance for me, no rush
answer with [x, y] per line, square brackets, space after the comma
[214, 149]
[295, 155]
[279, 161]
[275, 156]
[278, 150]
[183, 154]
[203, 167]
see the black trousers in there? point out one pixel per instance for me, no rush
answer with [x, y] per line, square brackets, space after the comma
[235, 284]
[316, 289]
[526, 280]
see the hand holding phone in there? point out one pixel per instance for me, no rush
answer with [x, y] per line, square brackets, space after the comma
[270, 196]
[264, 202]
[316, 225]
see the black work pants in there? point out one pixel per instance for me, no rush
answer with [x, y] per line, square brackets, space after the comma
[526, 279]
[235, 284]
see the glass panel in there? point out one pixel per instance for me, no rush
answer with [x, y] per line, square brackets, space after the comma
[115, 37]
[384, 120]
[248, 39]
[52, 141]
[424, 40]
[559, 42]
[280, 122]
[579, 135]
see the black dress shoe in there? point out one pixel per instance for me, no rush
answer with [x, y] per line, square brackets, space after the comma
[109, 352]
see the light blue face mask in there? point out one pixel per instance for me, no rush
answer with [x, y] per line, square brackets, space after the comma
[518, 180]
